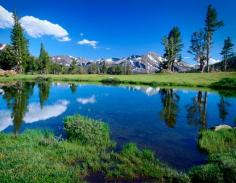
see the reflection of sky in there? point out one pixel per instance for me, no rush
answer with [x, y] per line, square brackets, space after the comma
[35, 113]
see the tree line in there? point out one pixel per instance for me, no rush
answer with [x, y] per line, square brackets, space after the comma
[16, 55]
[201, 44]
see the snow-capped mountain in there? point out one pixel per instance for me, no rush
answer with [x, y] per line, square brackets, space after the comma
[2, 46]
[149, 63]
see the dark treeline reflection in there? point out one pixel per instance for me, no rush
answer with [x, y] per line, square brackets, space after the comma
[17, 99]
[197, 110]
[169, 112]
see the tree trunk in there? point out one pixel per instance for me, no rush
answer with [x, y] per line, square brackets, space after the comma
[208, 50]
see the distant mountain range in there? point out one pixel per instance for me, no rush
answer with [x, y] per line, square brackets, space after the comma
[149, 63]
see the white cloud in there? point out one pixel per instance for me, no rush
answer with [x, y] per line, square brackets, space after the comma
[6, 19]
[34, 27]
[89, 100]
[35, 113]
[38, 28]
[213, 61]
[88, 42]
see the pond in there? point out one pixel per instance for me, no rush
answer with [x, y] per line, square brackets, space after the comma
[165, 120]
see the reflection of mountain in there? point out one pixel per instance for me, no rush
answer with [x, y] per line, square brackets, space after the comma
[35, 113]
[150, 91]
[89, 100]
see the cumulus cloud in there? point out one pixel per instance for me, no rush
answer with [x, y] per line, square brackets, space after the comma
[88, 42]
[35, 113]
[6, 20]
[38, 28]
[89, 100]
[34, 27]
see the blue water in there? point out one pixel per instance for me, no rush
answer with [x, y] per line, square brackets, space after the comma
[166, 121]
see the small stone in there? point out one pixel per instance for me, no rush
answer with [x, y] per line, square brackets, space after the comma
[219, 127]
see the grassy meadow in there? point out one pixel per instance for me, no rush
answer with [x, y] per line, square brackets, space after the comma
[162, 79]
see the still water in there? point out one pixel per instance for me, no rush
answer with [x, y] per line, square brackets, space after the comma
[165, 120]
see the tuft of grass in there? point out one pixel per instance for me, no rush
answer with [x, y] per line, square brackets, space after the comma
[220, 141]
[88, 131]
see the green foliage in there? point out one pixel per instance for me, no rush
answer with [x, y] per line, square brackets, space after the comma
[8, 58]
[206, 174]
[20, 45]
[221, 167]
[198, 48]
[44, 61]
[211, 25]
[88, 131]
[221, 141]
[111, 80]
[224, 83]
[173, 46]
[227, 51]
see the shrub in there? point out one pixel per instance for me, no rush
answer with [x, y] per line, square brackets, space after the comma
[111, 80]
[225, 83]
[88, 131]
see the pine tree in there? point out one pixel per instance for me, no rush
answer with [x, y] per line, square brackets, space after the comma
[20, 45]
[44, 61]
[227, 51]
[173, 46]
[198, 48]
[212, 24]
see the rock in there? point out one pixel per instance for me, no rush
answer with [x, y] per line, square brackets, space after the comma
[219, 127]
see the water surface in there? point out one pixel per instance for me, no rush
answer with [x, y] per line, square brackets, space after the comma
[164, 120]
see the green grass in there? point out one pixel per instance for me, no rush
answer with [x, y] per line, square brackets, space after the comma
[221, 148]
[36, 156]
[162, 79]
[221, 141]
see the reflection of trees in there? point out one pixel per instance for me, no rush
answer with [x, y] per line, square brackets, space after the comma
[17, 97]
[73, 87]
[170, 108]
[222, 106]
[44, 91]
[197, 111]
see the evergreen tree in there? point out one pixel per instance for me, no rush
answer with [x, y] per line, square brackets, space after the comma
[173, 46]
[73, 67]
[44, 61]
[20, 45]
[211, 25]
[227, 51]
[198, 48]
[8, 59]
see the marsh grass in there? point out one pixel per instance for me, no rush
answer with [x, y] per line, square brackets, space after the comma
[37, 156]
[221, 147]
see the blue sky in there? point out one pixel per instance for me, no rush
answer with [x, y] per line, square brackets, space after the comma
[114, 28]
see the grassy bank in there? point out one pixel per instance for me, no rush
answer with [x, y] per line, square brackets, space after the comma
[176, 79]
[88, 155]
[40, 157]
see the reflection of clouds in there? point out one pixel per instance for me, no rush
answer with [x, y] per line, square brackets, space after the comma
[5, 119]
[1, 92]
[35, 113]
[89, 100]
